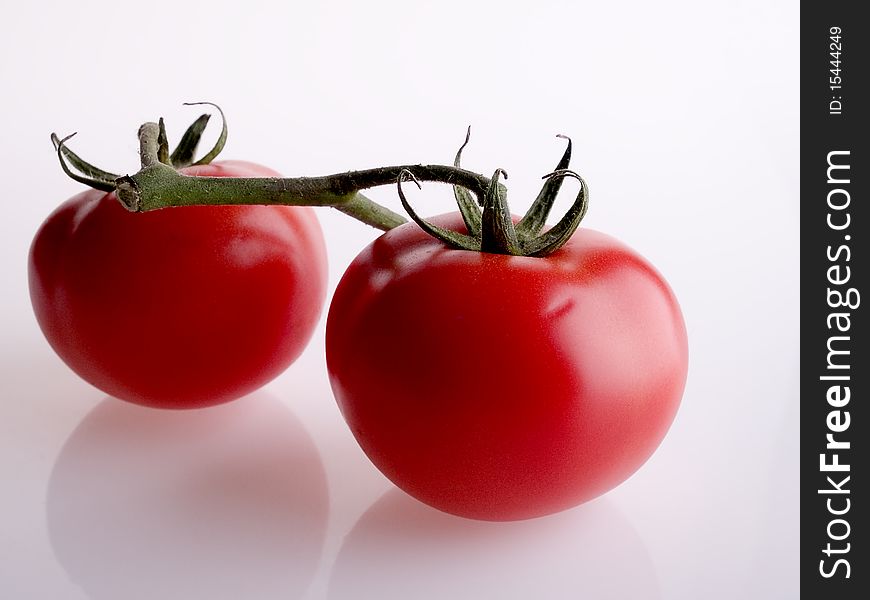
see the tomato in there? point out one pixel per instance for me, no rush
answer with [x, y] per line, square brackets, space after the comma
[182, 307]
[504, 387]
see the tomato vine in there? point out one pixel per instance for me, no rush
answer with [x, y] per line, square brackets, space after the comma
[482, 201]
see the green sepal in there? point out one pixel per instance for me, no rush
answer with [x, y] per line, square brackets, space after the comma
[222, 139]
[558, 236]
[91, 175]
[184, 153]
[536, 217]
[497, 233]
[468, 206]
[162, 143]
[453, 239]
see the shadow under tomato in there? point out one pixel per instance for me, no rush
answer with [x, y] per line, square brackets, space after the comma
[401, 549]
[226, 502]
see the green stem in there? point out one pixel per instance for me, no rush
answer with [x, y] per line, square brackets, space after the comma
[371, 213]
[149, 144]
[160, 186]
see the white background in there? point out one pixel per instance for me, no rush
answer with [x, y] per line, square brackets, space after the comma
[685, 121]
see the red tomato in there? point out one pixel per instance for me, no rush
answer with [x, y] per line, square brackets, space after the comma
[181, 307]
[501, 387]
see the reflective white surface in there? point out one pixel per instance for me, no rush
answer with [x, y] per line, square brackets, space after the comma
[685, 120]
[240, 485]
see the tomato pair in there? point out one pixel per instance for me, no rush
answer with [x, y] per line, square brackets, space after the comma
[487, 385]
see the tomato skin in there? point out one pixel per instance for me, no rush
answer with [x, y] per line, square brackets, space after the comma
[500, 387]
[182, 307]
